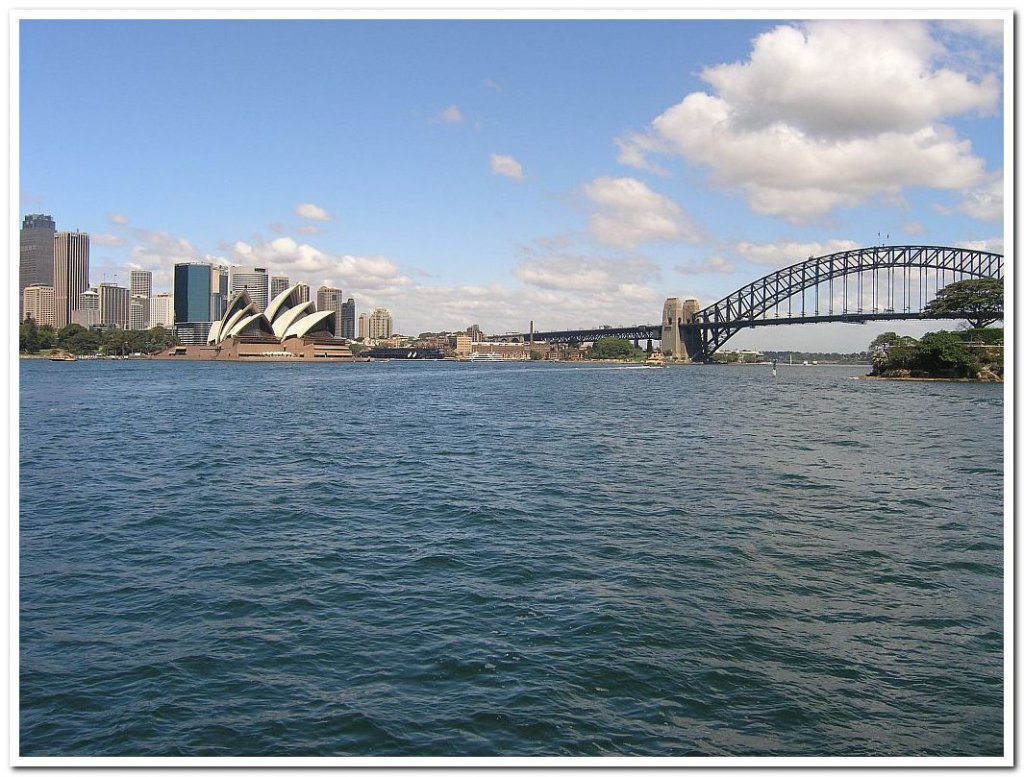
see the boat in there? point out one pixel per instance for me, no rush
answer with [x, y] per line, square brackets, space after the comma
[64, 357]
[485, 357]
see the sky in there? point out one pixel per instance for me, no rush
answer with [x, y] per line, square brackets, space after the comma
[573, 173]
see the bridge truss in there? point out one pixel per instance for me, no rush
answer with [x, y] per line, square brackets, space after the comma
[868, 284]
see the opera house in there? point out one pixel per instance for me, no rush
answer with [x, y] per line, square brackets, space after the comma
[290, 328]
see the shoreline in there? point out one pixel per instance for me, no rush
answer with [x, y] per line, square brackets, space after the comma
[929, 380]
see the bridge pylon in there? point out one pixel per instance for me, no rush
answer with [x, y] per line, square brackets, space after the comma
[679, 343]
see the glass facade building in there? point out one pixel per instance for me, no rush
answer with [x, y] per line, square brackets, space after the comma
[191, 292]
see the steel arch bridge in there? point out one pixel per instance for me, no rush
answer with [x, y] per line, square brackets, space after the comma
[880, 278]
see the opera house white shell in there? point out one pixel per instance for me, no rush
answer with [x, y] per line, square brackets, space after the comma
[286, 316]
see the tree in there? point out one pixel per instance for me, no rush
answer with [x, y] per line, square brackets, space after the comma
[28, 336]
[945, 353]
[980, 301]
[612, 348]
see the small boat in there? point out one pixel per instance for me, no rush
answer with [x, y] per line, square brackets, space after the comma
[64, 357]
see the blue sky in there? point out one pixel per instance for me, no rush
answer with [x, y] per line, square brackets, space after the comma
[570, 172]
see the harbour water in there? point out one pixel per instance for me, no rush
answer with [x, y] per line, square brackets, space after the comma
[445, 559]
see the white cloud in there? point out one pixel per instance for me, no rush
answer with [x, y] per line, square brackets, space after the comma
[634, 149]
[118, 218]
[308, 210]
[286, 256]
[914, 228]
[984, 203]
[492, 85]
[106, 240]
[827, 114]
[309, 229]
[713, 264]
[631, 213]
[992, 245]
[507, 166]
[786, 253]
[450, 115]
[573, 273]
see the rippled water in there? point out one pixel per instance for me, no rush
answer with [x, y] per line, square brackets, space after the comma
[493, 559]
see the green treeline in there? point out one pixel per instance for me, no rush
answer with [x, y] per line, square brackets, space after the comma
[974, 353]
[82, 342]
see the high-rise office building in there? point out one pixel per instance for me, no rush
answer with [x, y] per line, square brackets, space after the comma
[278, 283]
[473, 330]
[138, 313]
[36, 267]
[39, 304]
[141, 286]
[379, 324]
[115, 305]
[218, 290]
[88, 313]
[192, 302]
[328, 298]
[253, 280]
[161, 310]
[303, 291]
[70, 273]
[348, 319]
[363, 328]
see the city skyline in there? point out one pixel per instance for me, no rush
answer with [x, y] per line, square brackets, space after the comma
[498, 186]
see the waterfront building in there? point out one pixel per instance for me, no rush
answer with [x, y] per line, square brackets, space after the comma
[70, 273]
[463, 345]
[138, 313]
[141, 286]
[364, 326]
[218, 290]
[192, 301]
[191, 292]
[39, 303]
[303, 291]
[348, 319]
[379, 325]
[161, 310]
[36, 266]
[475, 334]
[88, 313]
[115, 305]
[328, 298]
[253, 280]
[288, 328]
[278, 283]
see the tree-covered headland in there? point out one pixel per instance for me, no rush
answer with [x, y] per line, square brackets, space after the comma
[75, 339]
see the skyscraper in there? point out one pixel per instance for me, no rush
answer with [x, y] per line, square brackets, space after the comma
[379, 325]
[88, 313]
[141, 286]
[115, 305]
[161, 310]
[138, 313]
[328, 298]
[218, 290]
[38, 303]
[37, 233]
[303, 291]
[364, 326]
[253, 280]
[348, 319]
[70, 273]
[278, 283]
[192, 302]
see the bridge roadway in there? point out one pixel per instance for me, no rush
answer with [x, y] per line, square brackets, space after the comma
[653, 331]
[879, 271]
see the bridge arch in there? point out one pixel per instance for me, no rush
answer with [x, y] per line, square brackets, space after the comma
[713, 325]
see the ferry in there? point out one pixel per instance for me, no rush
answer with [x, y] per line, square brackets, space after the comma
[64, 357]
[485, 357]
